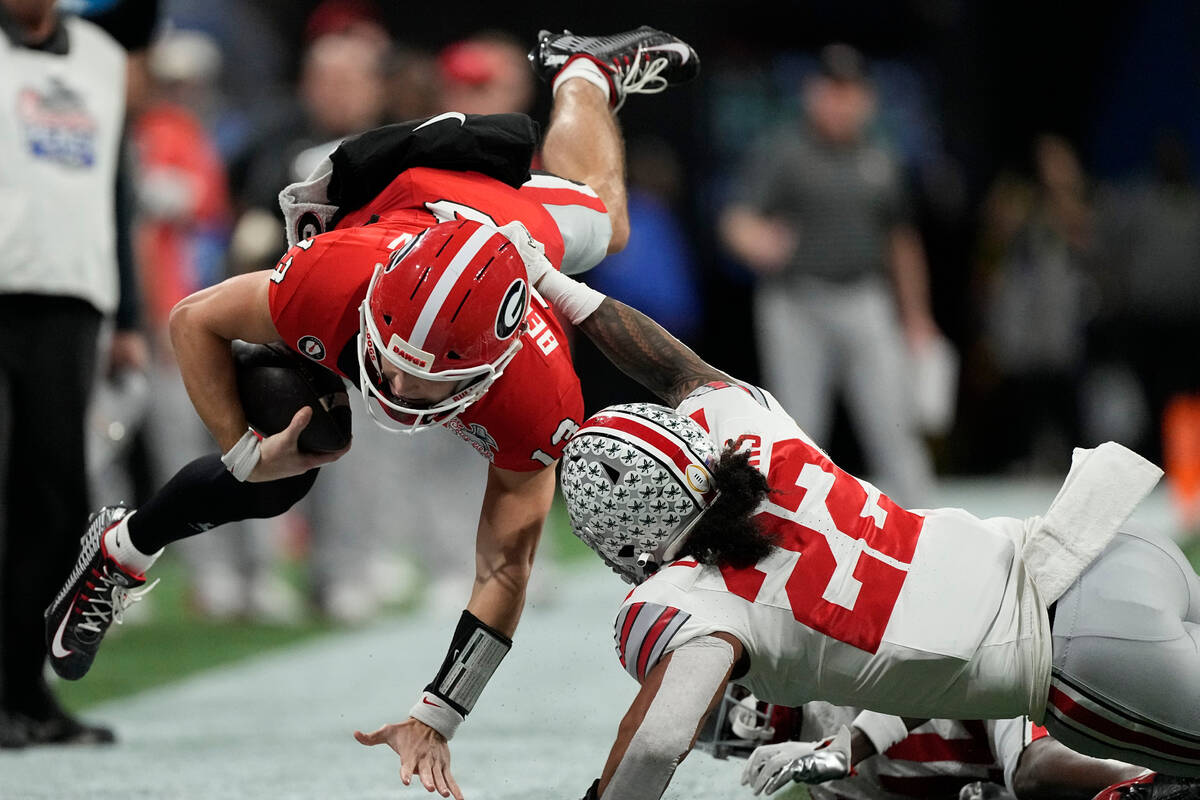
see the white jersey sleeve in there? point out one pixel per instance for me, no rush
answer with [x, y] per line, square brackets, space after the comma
[581, 217]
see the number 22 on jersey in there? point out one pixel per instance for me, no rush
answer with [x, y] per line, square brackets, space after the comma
[845, 549]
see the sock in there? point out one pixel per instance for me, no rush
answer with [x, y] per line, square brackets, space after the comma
[587, 69]
[121, 549]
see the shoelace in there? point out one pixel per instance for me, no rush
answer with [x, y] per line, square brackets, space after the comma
[104, 612]
[89, 543]
[643, 77]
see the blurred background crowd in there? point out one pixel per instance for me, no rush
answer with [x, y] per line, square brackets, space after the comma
[1019, 178]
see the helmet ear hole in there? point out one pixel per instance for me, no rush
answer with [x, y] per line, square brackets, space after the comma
[626, 552]
[387, 319]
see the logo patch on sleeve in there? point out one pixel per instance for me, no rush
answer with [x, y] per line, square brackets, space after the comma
[312, 347]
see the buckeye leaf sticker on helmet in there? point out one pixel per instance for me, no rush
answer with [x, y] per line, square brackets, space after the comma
[636, 478]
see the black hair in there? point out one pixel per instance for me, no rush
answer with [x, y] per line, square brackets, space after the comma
[726, 534]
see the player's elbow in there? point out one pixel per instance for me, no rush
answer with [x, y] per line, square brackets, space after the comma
[1027, 785]
[182, 319]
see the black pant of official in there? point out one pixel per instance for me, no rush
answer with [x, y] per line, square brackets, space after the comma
[48, 352]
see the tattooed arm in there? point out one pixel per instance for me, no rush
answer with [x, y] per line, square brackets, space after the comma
[644, 351]
[634, 343]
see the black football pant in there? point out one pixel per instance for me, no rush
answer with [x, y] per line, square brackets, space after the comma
[203, 495]
[48, 351]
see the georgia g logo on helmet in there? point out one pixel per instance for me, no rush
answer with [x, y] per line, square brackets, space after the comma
[512, 309]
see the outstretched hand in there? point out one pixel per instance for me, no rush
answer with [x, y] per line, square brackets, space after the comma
[773, 766]
[423, 752]
[281, 456]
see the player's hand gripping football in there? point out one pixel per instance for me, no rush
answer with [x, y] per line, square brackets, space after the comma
[423, 752]
[774, 766]
[281, 456]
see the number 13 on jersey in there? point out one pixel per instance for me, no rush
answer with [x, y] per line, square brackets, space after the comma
[845, 548]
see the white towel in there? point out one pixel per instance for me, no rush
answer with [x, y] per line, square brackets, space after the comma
[306, 197]
[1102, 489]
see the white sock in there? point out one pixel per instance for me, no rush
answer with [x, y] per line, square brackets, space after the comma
[116, 542]
[586, 69]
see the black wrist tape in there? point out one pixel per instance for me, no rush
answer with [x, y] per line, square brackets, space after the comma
[475, 652]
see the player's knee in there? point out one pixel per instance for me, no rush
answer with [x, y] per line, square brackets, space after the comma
[620, 234]
[277, 497]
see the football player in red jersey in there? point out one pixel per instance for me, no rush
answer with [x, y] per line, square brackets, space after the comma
[756, 559]
[406, 275]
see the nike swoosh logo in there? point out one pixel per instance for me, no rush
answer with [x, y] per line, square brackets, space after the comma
[683, 50]
[458, 115]
[427, 701]
[56, 646]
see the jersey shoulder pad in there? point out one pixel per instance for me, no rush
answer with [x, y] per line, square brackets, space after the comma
[643, 632]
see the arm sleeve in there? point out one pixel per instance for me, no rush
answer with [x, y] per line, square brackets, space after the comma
[696, 672]
[883, 730]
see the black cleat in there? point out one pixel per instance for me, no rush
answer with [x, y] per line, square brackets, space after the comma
[96, 595]
[641, 61]
[62, 729]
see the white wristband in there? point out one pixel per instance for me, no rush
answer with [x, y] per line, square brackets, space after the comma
[243, 457]
[883, 730]
[574, 300]
[434, 712]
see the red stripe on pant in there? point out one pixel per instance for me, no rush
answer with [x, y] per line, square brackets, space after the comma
[1093, 721]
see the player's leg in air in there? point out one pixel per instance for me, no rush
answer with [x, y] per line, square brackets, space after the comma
[590, 77]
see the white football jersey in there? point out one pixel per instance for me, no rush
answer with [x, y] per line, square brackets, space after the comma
[936, 759]
[863, 603]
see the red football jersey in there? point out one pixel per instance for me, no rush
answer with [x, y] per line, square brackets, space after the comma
[525, 418]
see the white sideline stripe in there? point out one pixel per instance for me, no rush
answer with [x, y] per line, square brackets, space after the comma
[445, 283]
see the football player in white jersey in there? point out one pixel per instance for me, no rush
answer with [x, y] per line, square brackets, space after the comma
[888, 758]
[758, 559]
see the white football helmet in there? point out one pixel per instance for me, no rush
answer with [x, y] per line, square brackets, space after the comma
[636, 479]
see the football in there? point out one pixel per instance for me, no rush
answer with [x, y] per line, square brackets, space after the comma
[275, 382]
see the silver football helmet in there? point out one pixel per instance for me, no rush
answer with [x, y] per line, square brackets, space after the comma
[636, 478]
[740, 723]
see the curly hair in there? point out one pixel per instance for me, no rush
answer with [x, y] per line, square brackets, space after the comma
[726, 533]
